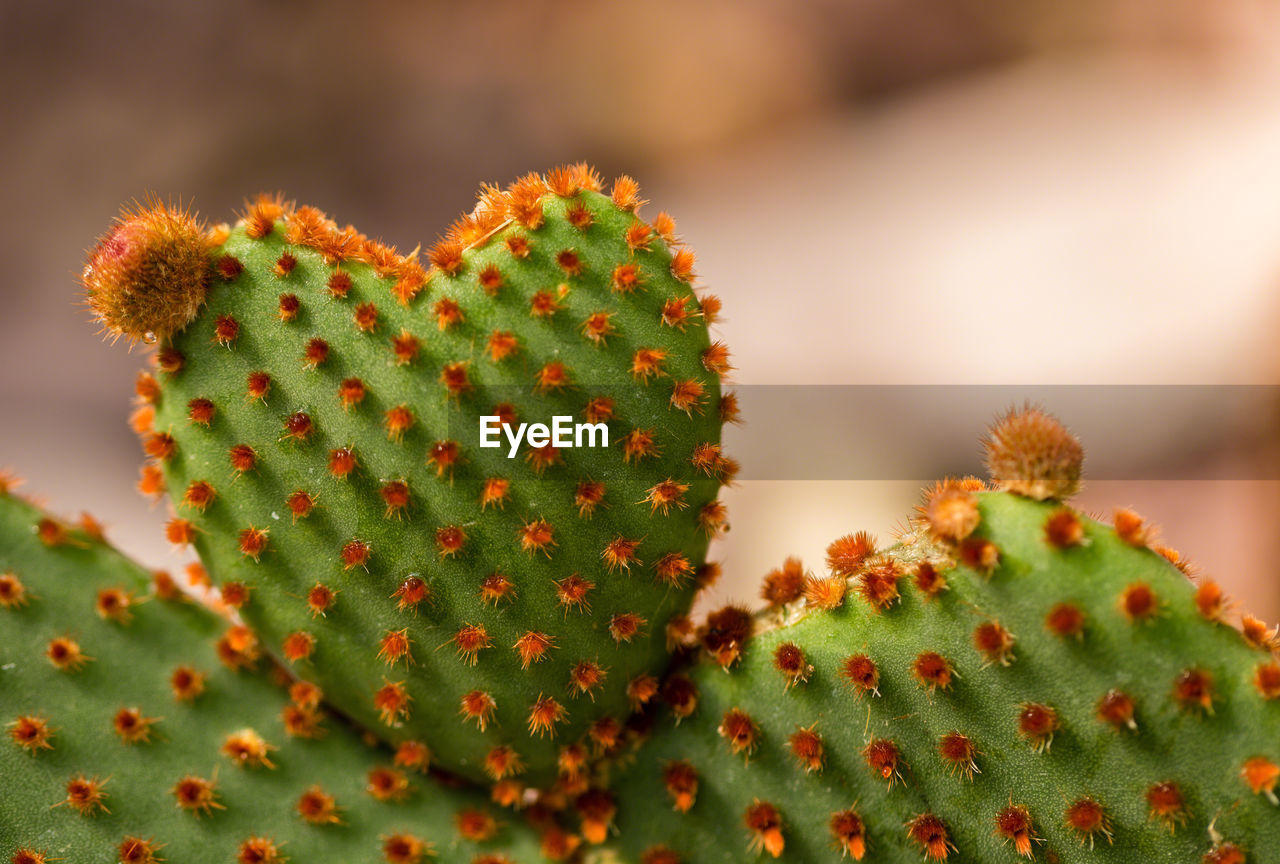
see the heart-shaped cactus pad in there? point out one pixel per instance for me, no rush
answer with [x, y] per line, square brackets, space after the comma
[321, 425]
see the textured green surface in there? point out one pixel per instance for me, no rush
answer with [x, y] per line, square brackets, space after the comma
[403, 543]
[1203, 753]
[131, 667]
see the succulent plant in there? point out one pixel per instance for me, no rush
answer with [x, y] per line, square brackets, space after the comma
[139, 724]
[1009, 679]
[319, 425]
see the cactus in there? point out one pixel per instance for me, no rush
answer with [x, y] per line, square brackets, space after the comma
[1010, 680]
[318, 425]
[139, 724]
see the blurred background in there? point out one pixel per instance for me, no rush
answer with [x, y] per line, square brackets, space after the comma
[884, 192]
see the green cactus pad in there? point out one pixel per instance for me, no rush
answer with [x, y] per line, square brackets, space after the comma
[127, 737]
[319, 428]
[969, 701]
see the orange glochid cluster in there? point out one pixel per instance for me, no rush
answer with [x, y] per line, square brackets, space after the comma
[502, 762]
[246, 748]
[980, 554]
[931, 836]
[932, 671]
[784, 585]
[620, 553]
[1037, 724]
[387, 784]
[681, 781]
[65, 654]
[288, 306]
[765, 824]
[825, 592]
[680, 694]
[625, 626]
[585, 677]
[1013, 825]
[394, 646]
[187, 683]
[544, 714]
[1139, 602]
[1166, 805]
[740, 731]
[114, 604]
[136, 850]
[849, 833]
[31, 733]
[1116, 709]
[861, 671]
[132, 726]
[1088, 819]
[957, 750]
[993, 643]
[496, 588]
[197, 795]
[542, 458]
[789, 659]
[298, 645]
[85, 795]
[238, 647]
[884, 759]
[878, 584]
[164, 586]
[469, 641]
[807, 747]
[1065, 620]
[392, 701]
[725, 632]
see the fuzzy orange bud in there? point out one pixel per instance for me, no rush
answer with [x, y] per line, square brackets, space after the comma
[147, 277]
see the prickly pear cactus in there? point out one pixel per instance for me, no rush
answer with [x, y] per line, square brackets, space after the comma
[318, 426]
[1010, 681]
[139, 727]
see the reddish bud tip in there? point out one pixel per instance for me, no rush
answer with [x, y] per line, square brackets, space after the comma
[1031, 453]
[147, 277]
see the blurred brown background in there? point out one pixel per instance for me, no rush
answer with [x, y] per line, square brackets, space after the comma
[883, 192]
